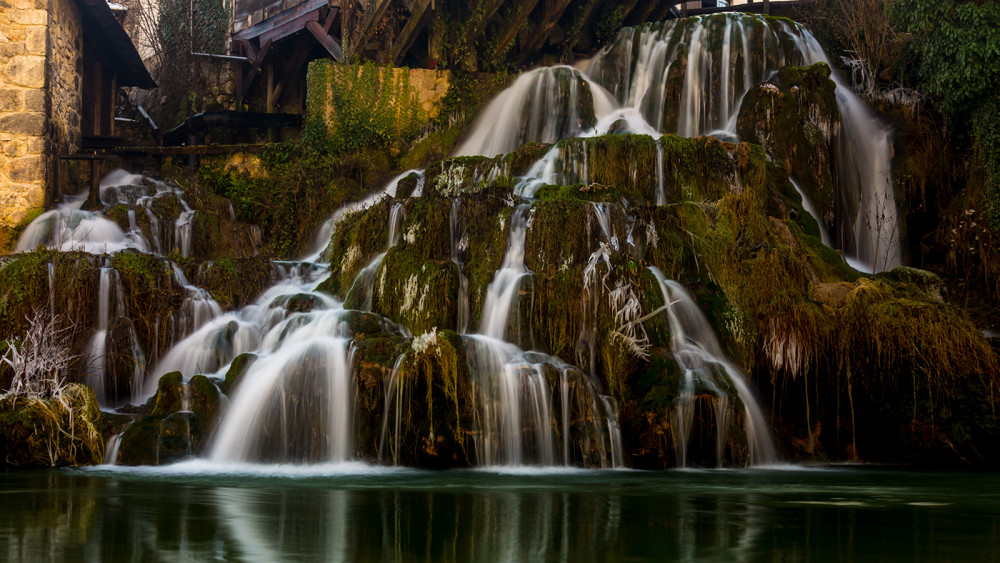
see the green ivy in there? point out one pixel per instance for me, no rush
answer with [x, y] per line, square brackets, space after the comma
[355, 107]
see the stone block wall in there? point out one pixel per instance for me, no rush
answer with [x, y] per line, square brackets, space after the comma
[41, 96]
[65, 81]
[23, 121]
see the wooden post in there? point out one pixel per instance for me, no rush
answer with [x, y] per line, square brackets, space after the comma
[684, 9]
[767, 7]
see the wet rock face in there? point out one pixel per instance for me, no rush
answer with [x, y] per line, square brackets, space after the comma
[795, 117]
[182, 418]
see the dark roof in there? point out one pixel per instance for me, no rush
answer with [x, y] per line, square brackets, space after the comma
[114, 45]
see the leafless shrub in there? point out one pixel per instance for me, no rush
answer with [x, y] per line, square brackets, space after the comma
[41, 359]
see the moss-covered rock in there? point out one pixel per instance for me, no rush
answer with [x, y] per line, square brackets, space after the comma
[795, 117]
[237, 369]
[427, 406]
[420, 295]
[232, 282]
[55, 432]
[183, 416]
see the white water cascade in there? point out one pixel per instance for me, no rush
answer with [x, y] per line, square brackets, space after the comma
[689, 77]
[706, 368]
[543, 105]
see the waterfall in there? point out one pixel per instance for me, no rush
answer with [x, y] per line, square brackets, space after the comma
[295, 404]
[458, 246]
[543, 105]
[97, 347]
[689, 76]
[501, 295]
[704, 366]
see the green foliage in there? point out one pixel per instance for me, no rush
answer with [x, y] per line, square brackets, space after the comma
[986, 137]
[958, 44]
[354, 107]
[297, 190]
[607, 26]
[954, 46]
[183, 79]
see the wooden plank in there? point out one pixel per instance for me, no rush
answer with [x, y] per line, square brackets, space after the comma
[331, 15]
[325, 40]
[263, 25]
[588, 14]
[290, 27]
[255, 70]
[419, 17]
[489, 10]
[245, 8]
[249, 50]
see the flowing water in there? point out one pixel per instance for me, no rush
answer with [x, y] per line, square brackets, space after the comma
[706, 368]
[296, 400]
[689, 77]
[354, 513]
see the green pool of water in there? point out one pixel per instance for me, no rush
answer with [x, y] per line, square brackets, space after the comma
[197, 512]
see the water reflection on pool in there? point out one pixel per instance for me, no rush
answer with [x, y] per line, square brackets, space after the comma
[355, 513]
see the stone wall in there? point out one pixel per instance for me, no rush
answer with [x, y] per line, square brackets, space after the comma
[65, 82]
[23, 120]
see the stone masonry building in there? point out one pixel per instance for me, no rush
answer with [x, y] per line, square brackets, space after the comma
[61, 64]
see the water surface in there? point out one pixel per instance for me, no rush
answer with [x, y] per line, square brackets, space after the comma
[352, 512]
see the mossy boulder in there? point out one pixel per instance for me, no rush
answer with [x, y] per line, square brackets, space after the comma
[232, 282]
[430, 407]
[237, 369]
[358, 238]
[183, 416]
[418, 294]
[54, 432]
[795, 117]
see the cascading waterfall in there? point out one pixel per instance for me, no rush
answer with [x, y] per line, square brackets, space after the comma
[458, 245]
[690, 75]
[296, 400]
[704, 366]
[543, 105]
[363, 289]
[96, 348]
[501, 295]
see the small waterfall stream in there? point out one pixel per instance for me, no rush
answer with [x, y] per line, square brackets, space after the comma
[705, 367]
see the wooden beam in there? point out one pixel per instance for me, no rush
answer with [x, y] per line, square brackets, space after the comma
[659, 12]
[361, 34]
[267, 19]
[249, 50]
[289, 73]
[513, 27]
[331, 15]
[298, 23]
[325, 40]
[490, 8]
[419, 16]
[255, 69]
